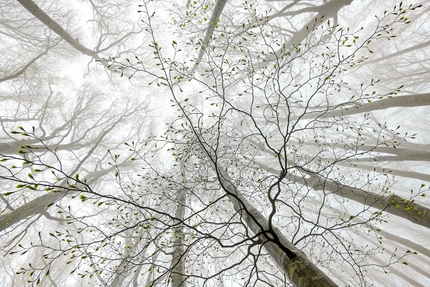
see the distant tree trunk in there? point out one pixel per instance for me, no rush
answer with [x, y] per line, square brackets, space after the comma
[216, 13]
[400, 101]
[388, 170]
[54, 26]
[122, 271]
[326, 11]
[151, 280]
[393, 204]
[177, 268]
[23, 69]
[398, 53]
[408, 152]
[41, 204]
[36, 206]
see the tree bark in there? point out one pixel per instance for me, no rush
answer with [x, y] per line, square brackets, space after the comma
[178, 268]
[36, 206]
[401, 101]
[398, 53]
[392, 204]
[54, 26]
[216, 13]
[388, 170]
[40, 204]
[290, 260]
[23, 69]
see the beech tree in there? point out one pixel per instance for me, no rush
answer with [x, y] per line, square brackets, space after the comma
[286, 158]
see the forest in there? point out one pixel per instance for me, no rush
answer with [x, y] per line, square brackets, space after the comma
[214, 143]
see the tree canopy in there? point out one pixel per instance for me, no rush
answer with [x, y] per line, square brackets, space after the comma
[214, 143]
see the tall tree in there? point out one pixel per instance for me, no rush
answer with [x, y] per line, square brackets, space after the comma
[276, 107]
[287, 158]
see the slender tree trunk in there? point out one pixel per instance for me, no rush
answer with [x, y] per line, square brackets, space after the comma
[216, 13]
[400, 101]
[42, 203]
[54, 26]
[400, 52]
[23, 69]
[413, 152]
[13, 147]
[36, 206]
[393, 204]
[151, 279]
[326, 11]
[177, 268]
[410, 152]
[415, 156]
[388, 170]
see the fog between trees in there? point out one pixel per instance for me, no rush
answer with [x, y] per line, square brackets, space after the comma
[214, 143]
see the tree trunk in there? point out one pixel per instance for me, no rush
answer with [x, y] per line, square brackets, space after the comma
[400, 101]
[177, 268]
[290, 260]
[40, 204]
[36, 206]
[393, 204]
[216, 13]
[388, 170]
[398, 53]
[54, 26]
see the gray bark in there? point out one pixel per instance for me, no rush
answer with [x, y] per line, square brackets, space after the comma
[290, 260]
[23, 69]
[40, 204]
[34, 9]
[398, 53]
[388, 170]
[216, 13]
[36, 206]
[178, 268]
[393, 204]
[326, 11]
[350, 109]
